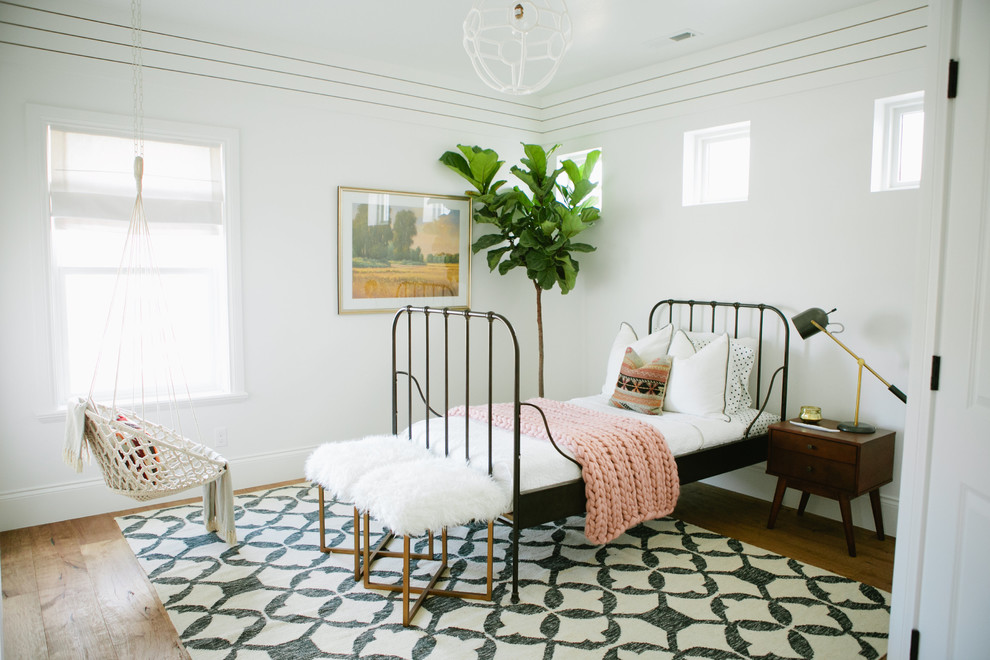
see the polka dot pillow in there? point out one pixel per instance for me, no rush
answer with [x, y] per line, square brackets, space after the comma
[742, 358]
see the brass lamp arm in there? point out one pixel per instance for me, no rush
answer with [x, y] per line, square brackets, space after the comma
[893, 388]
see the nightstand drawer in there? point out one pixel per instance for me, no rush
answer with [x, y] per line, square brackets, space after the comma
[812, 446]
[834, 474]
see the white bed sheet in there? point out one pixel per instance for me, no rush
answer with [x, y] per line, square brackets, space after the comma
[543, 466]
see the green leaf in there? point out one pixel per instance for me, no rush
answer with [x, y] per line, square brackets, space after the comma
[546, 279]
[536, 159]
[589, 163]
[581, 247]
[581, 190]
[573, 172]
[530, 239]
[457, 163]
[571, 224]
[537, 260]
[570, 274]
[506, 266]
[484, 166]
[494, 256]
[486, 241]
[549, 185]
[526, 177]
[590, 214]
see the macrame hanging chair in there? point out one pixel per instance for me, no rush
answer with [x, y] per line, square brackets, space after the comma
[141, 458]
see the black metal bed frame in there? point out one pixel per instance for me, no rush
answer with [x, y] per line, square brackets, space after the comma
[559, 501]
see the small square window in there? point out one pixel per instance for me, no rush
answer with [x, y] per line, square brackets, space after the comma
[898, 138]
[716, 165]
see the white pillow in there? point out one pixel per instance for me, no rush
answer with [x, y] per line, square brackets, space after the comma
[696, 385]
[742, 358]
[648, 348]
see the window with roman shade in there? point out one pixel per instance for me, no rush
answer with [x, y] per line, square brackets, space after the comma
[91, 192]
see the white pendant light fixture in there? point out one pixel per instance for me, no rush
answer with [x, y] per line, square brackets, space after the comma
[516, 46]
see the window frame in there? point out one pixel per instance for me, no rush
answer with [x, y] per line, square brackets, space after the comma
[888, 117]
[696, 167]
[50, 316]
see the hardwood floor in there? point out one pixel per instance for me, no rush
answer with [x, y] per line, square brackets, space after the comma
[73, 589]
[808, 538]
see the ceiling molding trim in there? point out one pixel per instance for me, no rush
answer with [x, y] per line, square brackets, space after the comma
[102, 41]
[891, 36]
[883, 34]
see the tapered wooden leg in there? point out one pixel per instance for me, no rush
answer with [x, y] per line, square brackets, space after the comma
[778, 497]
[877, 512]
[847, 524]
[805, 496]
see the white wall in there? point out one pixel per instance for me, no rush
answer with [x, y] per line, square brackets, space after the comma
[311, 375]
[811, 235]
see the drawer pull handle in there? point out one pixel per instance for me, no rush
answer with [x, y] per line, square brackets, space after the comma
[809, 469]
[812, 447]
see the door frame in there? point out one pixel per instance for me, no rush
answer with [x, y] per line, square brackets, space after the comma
[918, 427]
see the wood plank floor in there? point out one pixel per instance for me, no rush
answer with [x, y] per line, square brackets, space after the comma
[73, 589]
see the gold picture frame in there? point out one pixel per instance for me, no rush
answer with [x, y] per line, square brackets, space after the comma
[400, 248]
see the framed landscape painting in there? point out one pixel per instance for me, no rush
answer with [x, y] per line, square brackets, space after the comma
[396, 249]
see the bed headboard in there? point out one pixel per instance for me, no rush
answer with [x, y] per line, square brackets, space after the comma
[452, 357]
[757, 320]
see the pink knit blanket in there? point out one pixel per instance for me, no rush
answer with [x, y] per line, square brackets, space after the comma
[629, 473]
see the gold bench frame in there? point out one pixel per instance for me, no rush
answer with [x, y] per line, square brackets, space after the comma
[362, 570]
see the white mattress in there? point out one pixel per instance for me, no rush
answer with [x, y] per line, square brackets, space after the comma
[542, 465]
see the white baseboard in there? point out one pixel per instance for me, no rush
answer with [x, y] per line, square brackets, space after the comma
[37, 506]
[755, 482]
[88, 497]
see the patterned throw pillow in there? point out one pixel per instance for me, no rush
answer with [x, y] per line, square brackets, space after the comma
[650, 347]
[641, 387]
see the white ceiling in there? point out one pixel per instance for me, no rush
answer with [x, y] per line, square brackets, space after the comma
[422, 40]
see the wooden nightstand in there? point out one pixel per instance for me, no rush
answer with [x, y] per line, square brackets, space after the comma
[838, 465]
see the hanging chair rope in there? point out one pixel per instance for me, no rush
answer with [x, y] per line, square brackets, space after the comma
[141, 458]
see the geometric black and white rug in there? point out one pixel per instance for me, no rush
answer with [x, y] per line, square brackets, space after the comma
[664, 589]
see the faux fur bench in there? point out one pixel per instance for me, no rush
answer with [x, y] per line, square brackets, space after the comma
[412, 492]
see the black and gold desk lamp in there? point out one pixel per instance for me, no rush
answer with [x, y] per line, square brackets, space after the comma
[811, 322]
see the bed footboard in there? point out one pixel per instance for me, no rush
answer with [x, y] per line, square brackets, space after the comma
[433, 369]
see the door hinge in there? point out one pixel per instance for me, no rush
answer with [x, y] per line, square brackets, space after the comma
[953, 78]
[913, 654]
[936, 368]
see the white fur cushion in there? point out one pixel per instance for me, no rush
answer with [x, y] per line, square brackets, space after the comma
[338, 465]
[430, 494]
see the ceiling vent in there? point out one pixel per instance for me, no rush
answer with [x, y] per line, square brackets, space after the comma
[681, 36]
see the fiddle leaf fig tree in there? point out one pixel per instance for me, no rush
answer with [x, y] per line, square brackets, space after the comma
[533, 228]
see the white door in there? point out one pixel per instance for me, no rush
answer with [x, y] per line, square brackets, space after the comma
[954, 599]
